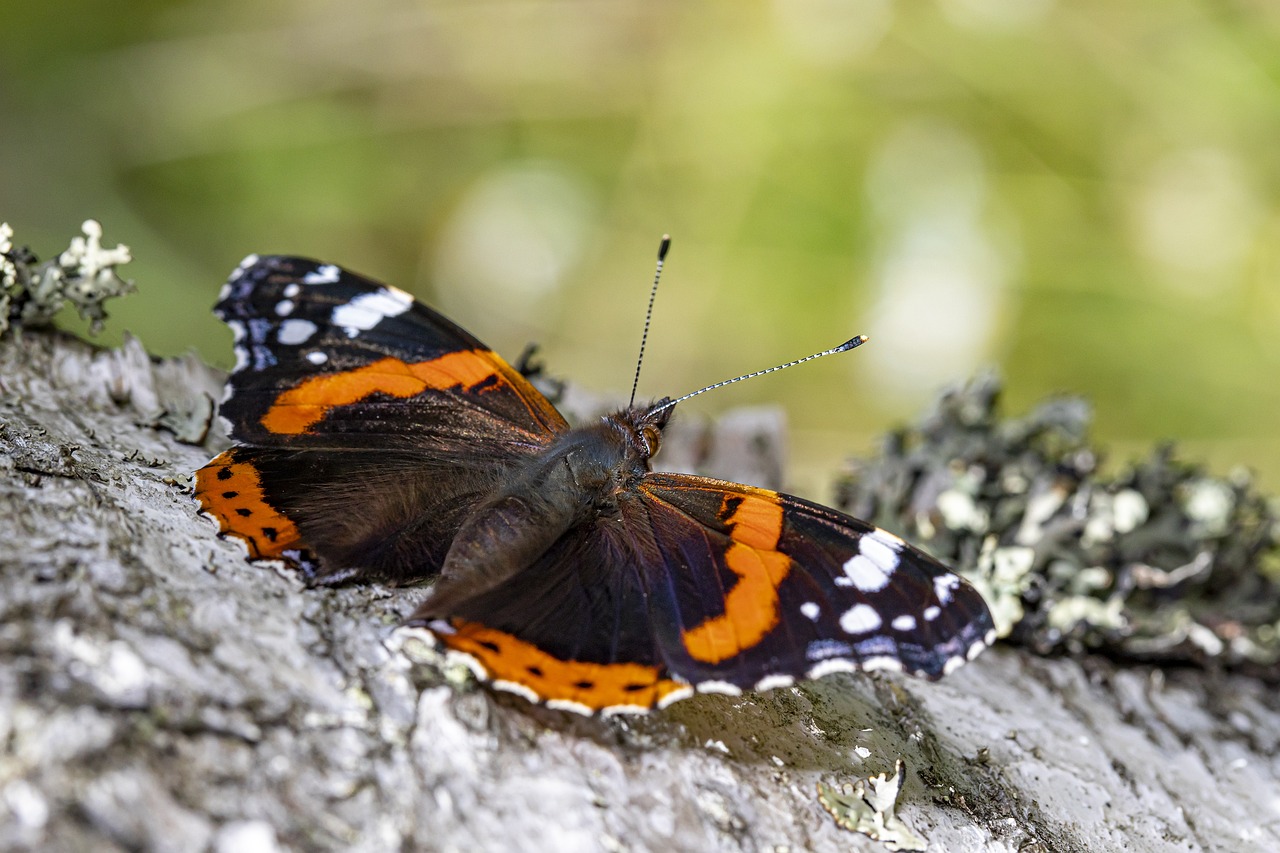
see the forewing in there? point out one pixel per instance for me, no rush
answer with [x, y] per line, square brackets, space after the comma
[330, 359]
[754, 589]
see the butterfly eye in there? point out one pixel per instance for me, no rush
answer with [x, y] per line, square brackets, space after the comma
[652, 439]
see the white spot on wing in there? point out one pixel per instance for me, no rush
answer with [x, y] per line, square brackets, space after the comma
[810, 610]
[952, 665]
[517, 688]
[772, 682]
[239, 332]
[719, 687]
[885, 663]
[860, 619]
[327, 274]
[675, 696]
[369, 309]
[569, 705]
[292, 290]
[904, 623]
[829, 666]
[614, 710]
[945, 585]
[317, 357]
[238, 274]
[477, 668]
[879, 553]
[295, 331]
[228, 391]
[884, 537]
[932, 612]
[284, 307]
[865, 574]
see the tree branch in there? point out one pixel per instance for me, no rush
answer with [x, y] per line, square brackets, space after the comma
[160, 693]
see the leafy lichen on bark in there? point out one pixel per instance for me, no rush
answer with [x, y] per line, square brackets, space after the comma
[84, 276]
[1161, 561]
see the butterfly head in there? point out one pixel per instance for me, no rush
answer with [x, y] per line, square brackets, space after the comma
[645, 425]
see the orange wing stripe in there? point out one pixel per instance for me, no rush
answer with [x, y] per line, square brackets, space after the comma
[751, 606]
[231, 492]
[594, 685]
[298, 409]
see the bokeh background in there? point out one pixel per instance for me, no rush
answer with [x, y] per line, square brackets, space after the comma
[1084, 195]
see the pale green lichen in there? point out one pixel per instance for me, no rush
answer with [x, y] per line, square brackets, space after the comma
[1208, 504]
[1069, 614]
[32, 292]
[9, 284]
[1162, 561]
[868, 806]
[1003, 575]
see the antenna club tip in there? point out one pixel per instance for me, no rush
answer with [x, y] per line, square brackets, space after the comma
[664, 246]
[856, 341]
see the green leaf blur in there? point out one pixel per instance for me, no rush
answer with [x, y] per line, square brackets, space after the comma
[1081, 194]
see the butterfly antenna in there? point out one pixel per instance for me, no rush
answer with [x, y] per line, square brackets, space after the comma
[648, 315]
[844, 347]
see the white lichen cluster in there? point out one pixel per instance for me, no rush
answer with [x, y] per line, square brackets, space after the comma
[1004, 575]
[8, 275]
[868, 806]
[32, 293]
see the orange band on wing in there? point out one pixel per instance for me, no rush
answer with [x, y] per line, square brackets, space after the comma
[301, 407]
[751, 606]
[595, 686]
[231, 492]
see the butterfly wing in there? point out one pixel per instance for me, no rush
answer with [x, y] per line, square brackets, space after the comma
[571, 630]
[330, 359]
[369, 423]
[707, 585]
[755, 589]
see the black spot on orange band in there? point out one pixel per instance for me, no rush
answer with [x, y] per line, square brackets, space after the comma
[229, 490]
[595, 686]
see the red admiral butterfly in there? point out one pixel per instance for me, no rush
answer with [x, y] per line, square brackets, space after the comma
[379, 441]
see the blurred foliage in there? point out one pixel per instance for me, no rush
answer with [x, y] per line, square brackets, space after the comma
[1083, 194]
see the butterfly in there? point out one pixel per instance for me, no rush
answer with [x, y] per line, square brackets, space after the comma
[379, 441]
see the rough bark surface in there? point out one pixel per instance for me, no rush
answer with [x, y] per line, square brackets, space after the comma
[157, 692]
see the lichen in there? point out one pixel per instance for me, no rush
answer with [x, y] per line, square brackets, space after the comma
[1162, 561]
[33, 292]
[868, 805]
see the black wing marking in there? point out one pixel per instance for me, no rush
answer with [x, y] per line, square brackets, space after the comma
[327, 358]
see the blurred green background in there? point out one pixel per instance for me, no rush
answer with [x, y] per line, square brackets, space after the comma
[1083, 194]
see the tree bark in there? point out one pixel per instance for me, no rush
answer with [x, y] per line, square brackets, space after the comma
[160, 693]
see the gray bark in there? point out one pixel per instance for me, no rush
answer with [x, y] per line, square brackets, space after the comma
[157, 692]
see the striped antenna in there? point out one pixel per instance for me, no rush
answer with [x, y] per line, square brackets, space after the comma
[648, 315]
[844, 347]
